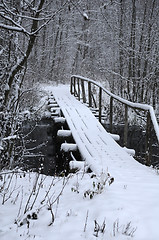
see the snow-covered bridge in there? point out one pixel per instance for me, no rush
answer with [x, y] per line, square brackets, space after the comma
[98, 148]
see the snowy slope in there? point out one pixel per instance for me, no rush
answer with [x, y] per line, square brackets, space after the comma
[128, 208]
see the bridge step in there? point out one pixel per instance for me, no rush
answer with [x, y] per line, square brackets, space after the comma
[64, 133]
[76, 165]
[60, 120]
[53, 105]
[55, 114]
[52, 101]
[69, 147]
[55, 109]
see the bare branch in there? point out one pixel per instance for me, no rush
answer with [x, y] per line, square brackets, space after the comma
[11, 28]
[19, 27]
[51, 18]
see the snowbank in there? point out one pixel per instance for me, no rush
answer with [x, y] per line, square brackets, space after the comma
[79, 207]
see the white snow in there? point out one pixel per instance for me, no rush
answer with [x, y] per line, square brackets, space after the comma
[53, 105]
[129, 151]
[1, 148]
[56, 110]
[17, 29]
[76, 202]
[77, 165]
[115, 136]
[85, 15]
[51, 101]
[13, 137]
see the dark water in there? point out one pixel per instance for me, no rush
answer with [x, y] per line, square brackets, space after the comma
[42, 147]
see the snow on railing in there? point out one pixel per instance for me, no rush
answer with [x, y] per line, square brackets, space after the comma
[78, 88]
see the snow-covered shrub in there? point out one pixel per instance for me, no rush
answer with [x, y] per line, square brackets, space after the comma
[97, 185]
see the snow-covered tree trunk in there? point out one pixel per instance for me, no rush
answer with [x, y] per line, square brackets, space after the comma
[27, 19]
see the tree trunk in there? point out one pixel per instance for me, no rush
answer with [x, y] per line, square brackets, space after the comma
[121, 54]
[20, 64]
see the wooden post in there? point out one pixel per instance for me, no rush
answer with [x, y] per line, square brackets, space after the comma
[100, 104]
[83, 91]
[126, 127]
[74, 86]
[94, 101]
[71, 86]
[148, 140]
[89, 94]
[78, 89]
[111, 114]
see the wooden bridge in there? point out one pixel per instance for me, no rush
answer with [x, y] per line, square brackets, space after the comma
[98, 148]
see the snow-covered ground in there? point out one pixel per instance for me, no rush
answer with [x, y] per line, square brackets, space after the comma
[79, 206]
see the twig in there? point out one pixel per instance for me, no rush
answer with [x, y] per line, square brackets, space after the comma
[85, 226]
[20, 207]
[52, 214]
[37, 193]
[52, 184]
[32, 192]
[6, 190]
[60, 192]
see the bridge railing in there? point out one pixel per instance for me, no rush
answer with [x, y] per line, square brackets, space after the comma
[82, 88]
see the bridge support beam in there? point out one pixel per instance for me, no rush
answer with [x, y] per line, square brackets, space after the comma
[89, 94]
[79, 92]
[111, 114]
[83, 92]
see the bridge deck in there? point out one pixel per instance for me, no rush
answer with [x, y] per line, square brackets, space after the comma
[96, 146]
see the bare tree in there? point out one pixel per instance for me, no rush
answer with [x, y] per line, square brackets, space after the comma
[21, 23]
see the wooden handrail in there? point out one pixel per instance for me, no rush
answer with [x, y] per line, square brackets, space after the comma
[151, 118]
